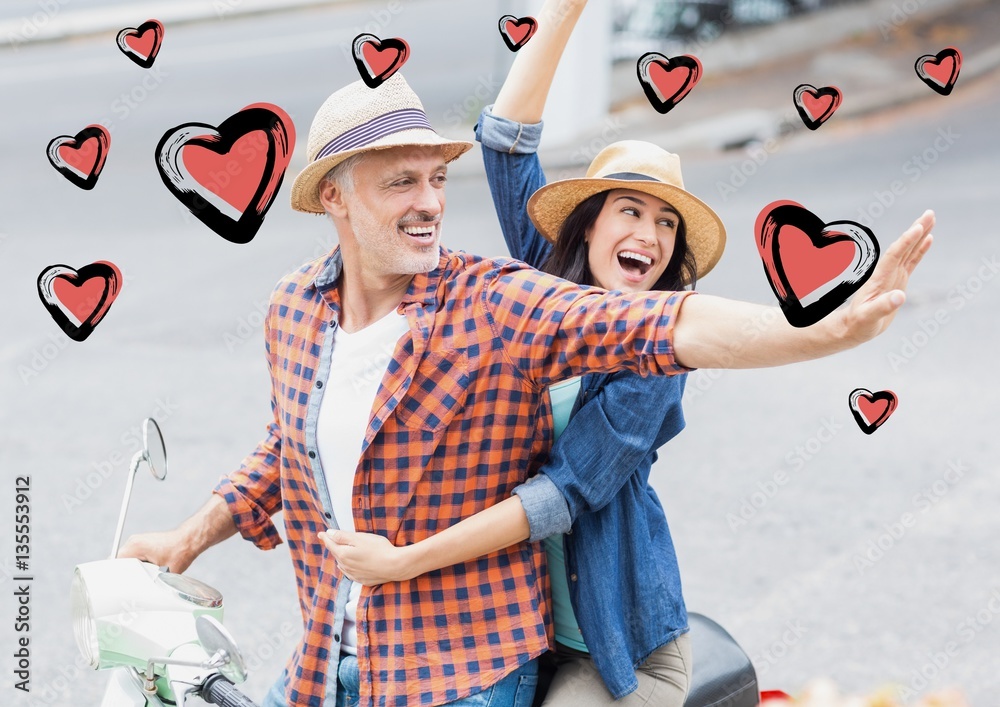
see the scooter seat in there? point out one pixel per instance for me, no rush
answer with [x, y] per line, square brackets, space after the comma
[722, 674]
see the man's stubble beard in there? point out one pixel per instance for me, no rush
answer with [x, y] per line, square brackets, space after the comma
[384, 251]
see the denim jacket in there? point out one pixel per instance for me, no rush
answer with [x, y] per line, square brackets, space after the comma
[622, 569]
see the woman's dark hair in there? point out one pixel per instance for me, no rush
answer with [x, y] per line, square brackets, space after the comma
[569, 260]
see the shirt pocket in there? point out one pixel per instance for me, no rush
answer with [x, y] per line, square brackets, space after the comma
[437, 393]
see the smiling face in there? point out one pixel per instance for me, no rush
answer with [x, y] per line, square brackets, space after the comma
[391, 216]
[631, 241]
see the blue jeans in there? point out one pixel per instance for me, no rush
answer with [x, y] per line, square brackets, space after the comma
[515, 690]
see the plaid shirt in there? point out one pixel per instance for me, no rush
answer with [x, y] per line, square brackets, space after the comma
[460, 419]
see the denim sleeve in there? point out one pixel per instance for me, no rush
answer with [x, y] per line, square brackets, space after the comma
[545, 507]
[514, 174]
[611, 435]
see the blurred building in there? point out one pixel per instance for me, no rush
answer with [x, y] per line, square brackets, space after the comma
[675, 26]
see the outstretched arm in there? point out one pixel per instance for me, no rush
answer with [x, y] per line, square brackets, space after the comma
[719, 333]
[712, 332]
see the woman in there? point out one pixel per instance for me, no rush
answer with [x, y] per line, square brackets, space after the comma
[620, 620]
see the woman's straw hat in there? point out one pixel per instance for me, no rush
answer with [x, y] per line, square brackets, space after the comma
[642, 166]
[357, 119]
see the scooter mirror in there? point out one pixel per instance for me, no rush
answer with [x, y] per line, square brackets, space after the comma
[215, 639]
[154, 449]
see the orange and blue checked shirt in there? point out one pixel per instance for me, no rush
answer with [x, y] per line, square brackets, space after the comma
[460, 419]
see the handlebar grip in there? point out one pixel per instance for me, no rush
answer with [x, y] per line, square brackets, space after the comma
[217, 690]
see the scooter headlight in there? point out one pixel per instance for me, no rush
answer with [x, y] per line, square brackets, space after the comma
[125, 611]
[84, 626]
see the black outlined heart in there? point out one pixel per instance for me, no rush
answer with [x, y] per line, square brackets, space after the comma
[378, 59]
[816, 105]
[870, 409]
[80, 158]
[667, 81]
[229, 176]
[516, 31]
[79, 299]
[141, 44]
[940, 71]
[812, 267]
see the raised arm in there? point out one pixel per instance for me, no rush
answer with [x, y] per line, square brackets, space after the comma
[510, 131]
[523, 95]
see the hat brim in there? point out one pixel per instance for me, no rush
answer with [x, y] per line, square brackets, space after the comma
[305, 188]
[551, 205]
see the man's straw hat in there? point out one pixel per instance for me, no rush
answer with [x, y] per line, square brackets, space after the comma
[642, 166]
[357, 119]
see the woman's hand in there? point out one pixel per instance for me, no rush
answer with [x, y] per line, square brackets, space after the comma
[874, 306]
[367, 558]
[712, 332]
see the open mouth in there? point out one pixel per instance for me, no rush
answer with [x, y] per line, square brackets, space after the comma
[422, 233]
[635, 265]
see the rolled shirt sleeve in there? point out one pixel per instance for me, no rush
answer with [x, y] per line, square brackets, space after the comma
[545, 507]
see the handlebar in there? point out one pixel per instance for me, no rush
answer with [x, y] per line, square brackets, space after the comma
[217, 690]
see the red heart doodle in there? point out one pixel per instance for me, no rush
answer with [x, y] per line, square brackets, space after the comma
[812, 267]
[229, 176]
[378, 59]
[940, 71]
[516, 31]
[667, 81]
[816, 105]
[141, 44]
[80, 158]
[870, 409]
[79, 299]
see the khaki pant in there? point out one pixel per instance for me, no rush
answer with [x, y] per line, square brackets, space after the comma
[663, 680]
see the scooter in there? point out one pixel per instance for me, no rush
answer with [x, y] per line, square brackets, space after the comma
[160, 633]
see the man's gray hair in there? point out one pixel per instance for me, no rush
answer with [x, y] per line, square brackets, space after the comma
[342, 174]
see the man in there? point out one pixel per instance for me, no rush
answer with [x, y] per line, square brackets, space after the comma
[408, 393]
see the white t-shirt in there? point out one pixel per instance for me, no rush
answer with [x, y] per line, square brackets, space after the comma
[357, 365]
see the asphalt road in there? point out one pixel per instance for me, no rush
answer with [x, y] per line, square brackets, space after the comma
[870, 559]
